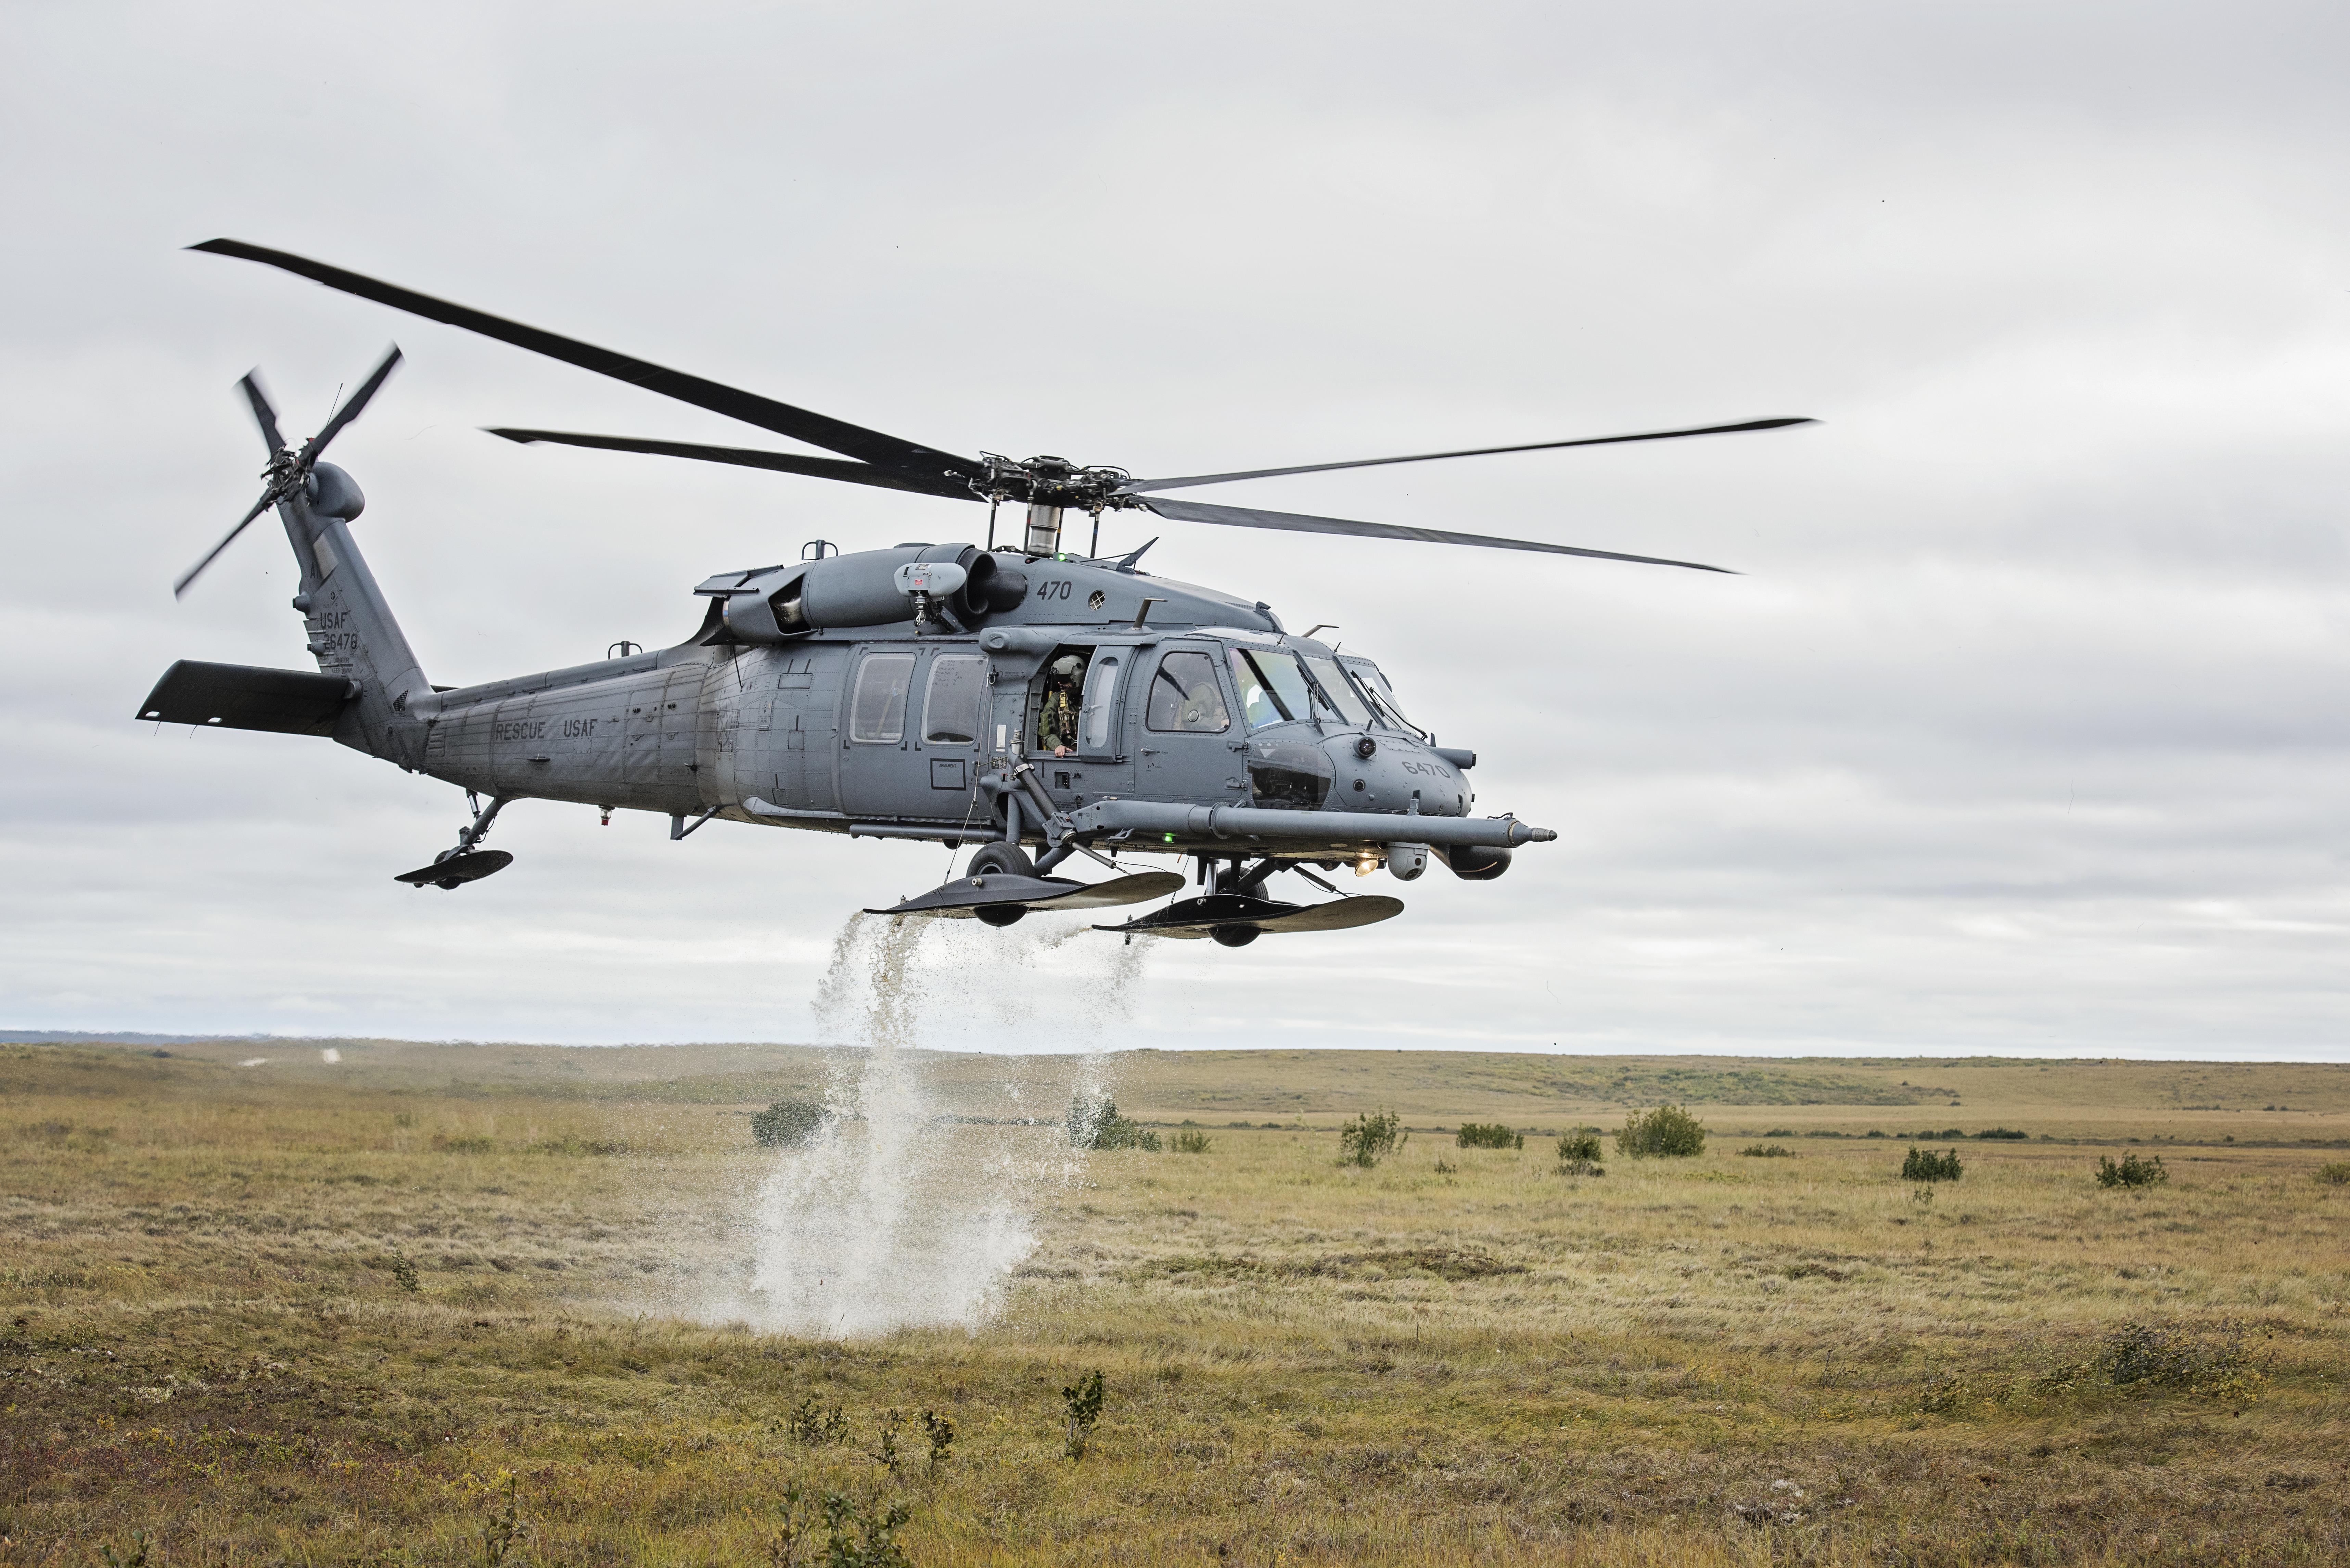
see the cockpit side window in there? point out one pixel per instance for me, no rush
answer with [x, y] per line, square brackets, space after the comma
[1097, 716]
[958, 685]
[1273, 688]
[1185, 697]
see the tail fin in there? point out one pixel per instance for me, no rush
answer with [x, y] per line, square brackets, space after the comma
[353, 634]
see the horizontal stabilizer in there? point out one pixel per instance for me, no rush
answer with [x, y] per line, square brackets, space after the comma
[243, 697]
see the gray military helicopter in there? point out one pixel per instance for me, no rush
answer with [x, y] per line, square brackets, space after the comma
[1006, 697]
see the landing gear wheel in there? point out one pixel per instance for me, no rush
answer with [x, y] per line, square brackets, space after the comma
[999, 914]
[1000, 860]
[1234, 936]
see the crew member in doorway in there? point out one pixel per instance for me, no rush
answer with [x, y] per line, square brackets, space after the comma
[1056, 715]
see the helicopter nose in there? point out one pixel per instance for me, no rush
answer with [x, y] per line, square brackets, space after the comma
[1388, 772]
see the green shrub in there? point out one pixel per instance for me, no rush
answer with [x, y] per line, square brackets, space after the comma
[2009, 1133]
[1082, 1400]
[1192, 1143]
[816, 1426]
[1488, 1135]
[2337, 1174]
[941, 1430]
[1668, 1131]
[448, 1145]
[2214, 1363]
[854, 1536]
[1768, 1151]
[788, 1124]
[403, 1271]
[1582, 1143]
[1925, 1165]
[1368, 1137]
[1095, 1123]
[2131, 1172]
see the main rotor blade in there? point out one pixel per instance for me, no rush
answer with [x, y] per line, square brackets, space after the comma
[748, 457]
[1297, 523]
[192, 573]
[263, 414]
[1141, 485]
[351, 409]
[889, 452]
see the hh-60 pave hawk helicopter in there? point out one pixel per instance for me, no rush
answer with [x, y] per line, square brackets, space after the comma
[1003, 697]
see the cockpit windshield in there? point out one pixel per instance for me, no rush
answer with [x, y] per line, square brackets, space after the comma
[1375, 686]
[1344, 702]
[1273, 688]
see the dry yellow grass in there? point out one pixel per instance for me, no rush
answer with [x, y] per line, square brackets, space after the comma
[1725, 1360]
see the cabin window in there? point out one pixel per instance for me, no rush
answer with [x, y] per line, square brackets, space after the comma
[1097, 719]
[951, 708]
[1273, 688]
[1185, 697]
[876, 713]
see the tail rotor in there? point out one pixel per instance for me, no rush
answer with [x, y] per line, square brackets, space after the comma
[290, 470]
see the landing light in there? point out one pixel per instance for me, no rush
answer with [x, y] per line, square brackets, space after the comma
[1366, 862]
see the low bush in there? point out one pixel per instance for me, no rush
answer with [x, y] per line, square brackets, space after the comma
[580, 1145]
[812, 1424]
[448, 1145]
[2216, 1363]
[1925, 1165]
[2336, 1174]
[1668, 1131]
[1582, 1143]
[2131, 1172]
[1192, 1142]
[1096, 1124]
[1368, 1137]
[853, 1535]
[2009, 1133]
[1768, 1151]
[788, 1124]
[941, 1430]
[1488, 1135]
[1083, 1403]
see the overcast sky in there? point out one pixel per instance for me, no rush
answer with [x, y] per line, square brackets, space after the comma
[2024, 729]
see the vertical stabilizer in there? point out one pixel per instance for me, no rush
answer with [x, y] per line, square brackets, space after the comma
[352, 631]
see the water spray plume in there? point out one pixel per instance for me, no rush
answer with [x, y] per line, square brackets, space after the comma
[894, 1216]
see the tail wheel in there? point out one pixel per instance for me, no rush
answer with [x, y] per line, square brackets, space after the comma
[1000, 860]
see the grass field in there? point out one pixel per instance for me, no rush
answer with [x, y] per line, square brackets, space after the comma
[424, 1305]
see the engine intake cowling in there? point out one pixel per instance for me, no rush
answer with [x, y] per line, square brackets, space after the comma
[867, 588]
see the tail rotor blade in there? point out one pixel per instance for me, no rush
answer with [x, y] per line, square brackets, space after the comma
[213, 555]
[352, 409]
[263, 414]
[1297, 523]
